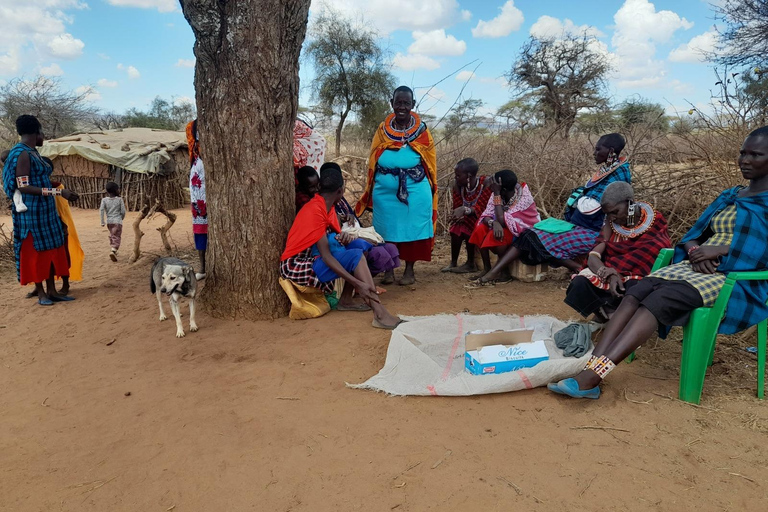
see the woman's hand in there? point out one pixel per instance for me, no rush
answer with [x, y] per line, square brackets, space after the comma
[69, 195]
[705, 267]
[459, 213]
[367, 293]
[488, 221]
[615, 286]
[707, 252]
[606, 272]
[345, 237]
[494, 185]
[498, 230]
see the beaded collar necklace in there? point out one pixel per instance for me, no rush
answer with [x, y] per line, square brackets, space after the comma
[647, 216]
[473, 200]
[604, 171]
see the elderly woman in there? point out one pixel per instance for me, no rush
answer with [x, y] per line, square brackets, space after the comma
[38, 233]
[402, 184]
[626, 250]
[729, 236]
[563, 244]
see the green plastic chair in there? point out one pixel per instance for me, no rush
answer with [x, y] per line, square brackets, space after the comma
[700, 335]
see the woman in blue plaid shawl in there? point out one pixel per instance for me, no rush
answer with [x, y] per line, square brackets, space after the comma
[583, 212]
[729, 236]
[38, 235]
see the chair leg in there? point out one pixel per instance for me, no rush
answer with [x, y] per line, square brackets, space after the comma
[762, 334]
[697, 347]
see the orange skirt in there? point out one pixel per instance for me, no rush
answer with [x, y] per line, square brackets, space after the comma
[35, 267]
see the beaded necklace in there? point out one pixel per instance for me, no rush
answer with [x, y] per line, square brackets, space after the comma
[472, 201]
[647, 216]
[604, 171]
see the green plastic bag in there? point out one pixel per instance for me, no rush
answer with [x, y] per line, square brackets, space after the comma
[554, 226]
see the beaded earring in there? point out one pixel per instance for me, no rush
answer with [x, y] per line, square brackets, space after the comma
[631, 214]
[611, 158]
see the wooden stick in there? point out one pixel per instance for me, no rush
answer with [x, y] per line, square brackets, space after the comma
[597, 427]
[138, 233]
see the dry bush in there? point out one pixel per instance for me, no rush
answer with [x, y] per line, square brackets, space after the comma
[7, 257]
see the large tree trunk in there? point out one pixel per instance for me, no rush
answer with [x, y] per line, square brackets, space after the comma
[247, 86]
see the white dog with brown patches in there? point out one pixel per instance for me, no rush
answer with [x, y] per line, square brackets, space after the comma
[176, 279]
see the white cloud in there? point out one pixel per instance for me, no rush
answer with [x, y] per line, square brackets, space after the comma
[413, 62]
[466, 15]
[91, 94]
[34, 32]
[103, 56]
[547, 27]
[133, 73]
[465, 75]
[390, 15]
[185, 63]
[103, 82]
[696, 49]
[509, 20]
[160, 5]
[436, 42]
[639, 28]
[52, 70]
[65, 46]
[120, 66]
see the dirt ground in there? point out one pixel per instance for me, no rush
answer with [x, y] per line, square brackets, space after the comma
[256, 416]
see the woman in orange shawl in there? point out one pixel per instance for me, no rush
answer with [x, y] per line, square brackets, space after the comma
[402, 184]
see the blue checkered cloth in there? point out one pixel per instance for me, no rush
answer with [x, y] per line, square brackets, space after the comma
[622, 173]
[748, 252]
[41, 218]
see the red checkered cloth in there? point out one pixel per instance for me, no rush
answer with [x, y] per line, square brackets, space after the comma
[299, 270]
[636, 256]
[477, 201]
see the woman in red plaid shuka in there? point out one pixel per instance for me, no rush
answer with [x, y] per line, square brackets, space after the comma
[625, 252]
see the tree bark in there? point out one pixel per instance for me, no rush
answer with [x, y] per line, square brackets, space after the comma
[340, 128]
[247, 86]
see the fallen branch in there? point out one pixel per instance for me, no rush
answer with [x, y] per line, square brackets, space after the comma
[512, 485]
[405, 471]
[447, 454]
[597, 427]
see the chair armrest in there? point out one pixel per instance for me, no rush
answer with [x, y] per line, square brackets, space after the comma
[755, 275]
[663, 259]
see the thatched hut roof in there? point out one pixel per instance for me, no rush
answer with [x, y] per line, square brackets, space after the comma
[139, 150]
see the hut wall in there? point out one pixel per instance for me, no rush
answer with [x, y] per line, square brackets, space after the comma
[89, 180]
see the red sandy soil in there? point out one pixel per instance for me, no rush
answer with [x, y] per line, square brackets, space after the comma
[256, 416]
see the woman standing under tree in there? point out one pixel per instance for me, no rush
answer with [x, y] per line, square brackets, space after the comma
[402, 184]
[38, 233]
[197, 197]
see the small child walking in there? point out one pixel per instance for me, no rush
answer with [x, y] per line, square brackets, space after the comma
[114, 208]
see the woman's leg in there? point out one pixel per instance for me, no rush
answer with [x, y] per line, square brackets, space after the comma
[409, 277]
[455, 250]
[571, 265]
[64, 285]
[502, 263]
[380, 313]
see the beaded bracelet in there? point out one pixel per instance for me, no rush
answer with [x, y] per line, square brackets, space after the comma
[595, 253]
[22, 181]
[601, 365]
[692, 249]
[51, 192]
[497, 201]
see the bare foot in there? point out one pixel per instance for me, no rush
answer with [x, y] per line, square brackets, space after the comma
[464, 269]
[387, 320]
[449, 268]
[479, 276]
[407, 280]
[389, 277]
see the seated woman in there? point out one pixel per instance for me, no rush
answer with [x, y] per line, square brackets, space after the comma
[562, 247]
[626, 250]
[307, 185]
[510, 211]
[315, 254]
[729, 236]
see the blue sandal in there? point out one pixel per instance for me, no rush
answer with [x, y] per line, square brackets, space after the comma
[570, 387]
[63, 298]
[45, 302]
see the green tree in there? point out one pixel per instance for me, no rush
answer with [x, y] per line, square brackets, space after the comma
[562, 76]
[463, 117]
[519, 114]
[162, 115]
[635, 111]
[350, 68]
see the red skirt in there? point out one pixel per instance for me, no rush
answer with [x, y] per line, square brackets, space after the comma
[483, 237]
[418, 250]
[35, 267]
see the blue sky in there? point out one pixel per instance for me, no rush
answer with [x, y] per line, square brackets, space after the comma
[129, 51]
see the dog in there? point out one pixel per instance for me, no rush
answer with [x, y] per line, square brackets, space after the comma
[176, 279]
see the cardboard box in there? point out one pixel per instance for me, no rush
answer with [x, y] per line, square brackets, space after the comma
[488, 352]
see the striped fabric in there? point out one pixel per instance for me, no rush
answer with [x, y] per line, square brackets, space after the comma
[41, 218]
[299, 270]
[571, 244]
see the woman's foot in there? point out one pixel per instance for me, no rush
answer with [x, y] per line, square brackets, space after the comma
[389, 277]
[64, 290]
[464, 269]
[31, 295]
[449, 268]
[502, 278]
[386, 321]
[479, 276]
[113, 255]
[407, 279]
[569, 387]
[352, 306]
